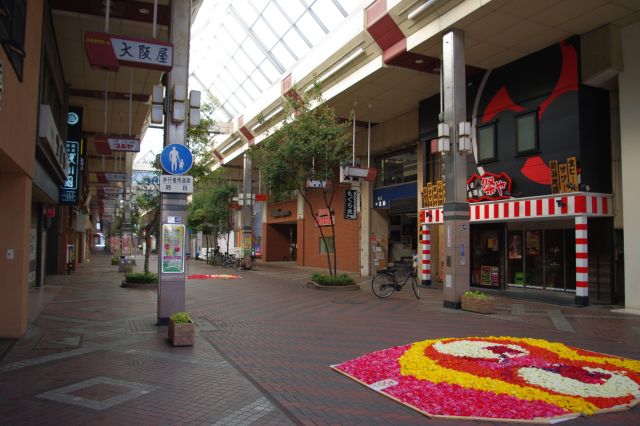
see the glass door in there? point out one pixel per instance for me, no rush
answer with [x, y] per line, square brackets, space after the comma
[554, 259]
[533, 259]
[515, 265]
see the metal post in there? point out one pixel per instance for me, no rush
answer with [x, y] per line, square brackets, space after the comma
[171, 293]
[247, 208]
[456, 206]
[426, 254]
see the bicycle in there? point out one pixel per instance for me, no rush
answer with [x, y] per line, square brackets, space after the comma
[385, 282]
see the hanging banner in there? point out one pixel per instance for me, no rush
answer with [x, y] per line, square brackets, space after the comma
[172, 248]
[489, 186]
[351, 204]
[126, 144]
[108, 51]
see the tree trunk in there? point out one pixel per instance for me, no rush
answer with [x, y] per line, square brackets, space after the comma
[147, 242]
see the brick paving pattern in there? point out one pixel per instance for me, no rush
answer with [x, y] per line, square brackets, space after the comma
[263, 349]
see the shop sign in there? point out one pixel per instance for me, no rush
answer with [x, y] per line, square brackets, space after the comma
[324, 217]
[115, 177]
[489, 276]
[350, 204]
[68, 194]
[278, 213]
[120, 144]
[49, 211]
[356, 174]
[172, 248]
[262, 197]
[433, 194]
[489, 186]
[109, 52]
[111, 190]
[564, 176]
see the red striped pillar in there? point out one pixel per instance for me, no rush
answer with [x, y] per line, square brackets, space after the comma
[426, 254]
[582, 262]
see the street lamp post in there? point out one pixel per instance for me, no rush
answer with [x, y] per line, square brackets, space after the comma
[456, 206]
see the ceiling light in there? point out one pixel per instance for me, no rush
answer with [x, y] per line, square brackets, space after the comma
[419, 61]
[144, 11]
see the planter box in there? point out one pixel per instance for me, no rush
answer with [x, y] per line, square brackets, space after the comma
[348, 287]
[182, 334]
[481, 306]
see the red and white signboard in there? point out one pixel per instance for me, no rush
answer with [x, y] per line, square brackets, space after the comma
[119, 144]
[489, 186]
[110, 51]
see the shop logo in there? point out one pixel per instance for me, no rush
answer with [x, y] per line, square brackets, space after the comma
[488, 187]
[72, 118]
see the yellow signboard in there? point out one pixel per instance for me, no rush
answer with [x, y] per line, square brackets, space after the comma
[433, 194]
[564, 176]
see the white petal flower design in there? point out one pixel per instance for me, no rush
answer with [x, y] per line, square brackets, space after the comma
[480, 349]
[616, 385]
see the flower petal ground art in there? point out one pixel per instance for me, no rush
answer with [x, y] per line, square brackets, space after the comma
[506, 378]
[213, 277]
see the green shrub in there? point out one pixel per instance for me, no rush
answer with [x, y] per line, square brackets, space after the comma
[342, 279]
[476, 294]
[141, 278]
[115, 260]
[181, 318]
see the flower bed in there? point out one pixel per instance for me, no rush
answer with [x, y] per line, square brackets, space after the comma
[499, 378]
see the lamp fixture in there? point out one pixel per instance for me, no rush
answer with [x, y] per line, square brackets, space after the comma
[443, 137]
[420, 9]
[464, 136]
[343, 63]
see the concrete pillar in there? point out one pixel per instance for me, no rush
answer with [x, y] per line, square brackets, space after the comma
[425, 242]
[629, 89]
[15, 223]
[247, 208]
[171, 294]
[365, 229]
[456, 207]
[582, 261]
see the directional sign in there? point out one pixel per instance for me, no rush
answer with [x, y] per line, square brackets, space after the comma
[176, 159]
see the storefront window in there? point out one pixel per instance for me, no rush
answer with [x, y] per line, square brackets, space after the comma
[396, 168]
[326, 245]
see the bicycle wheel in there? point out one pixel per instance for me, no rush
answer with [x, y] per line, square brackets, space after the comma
[415, 287]
[383, 285]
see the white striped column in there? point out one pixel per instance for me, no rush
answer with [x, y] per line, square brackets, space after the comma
[582, 262]
[426, 254]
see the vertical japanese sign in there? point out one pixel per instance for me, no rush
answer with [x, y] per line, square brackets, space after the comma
[555, 179]
[172, 248]
[350, 204]
[69, 192]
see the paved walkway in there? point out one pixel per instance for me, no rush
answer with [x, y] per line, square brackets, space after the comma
[93, 354]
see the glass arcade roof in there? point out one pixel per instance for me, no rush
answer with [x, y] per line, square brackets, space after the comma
[240, 48]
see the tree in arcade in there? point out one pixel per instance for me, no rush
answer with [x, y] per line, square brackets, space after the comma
[310, 145]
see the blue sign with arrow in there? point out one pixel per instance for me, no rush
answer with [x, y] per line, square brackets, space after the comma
[176, 159]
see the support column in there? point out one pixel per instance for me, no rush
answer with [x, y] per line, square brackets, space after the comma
[426, 254]
[247, 208]
[171, 292]
[582, 262]
[365, 228]
[456, 206]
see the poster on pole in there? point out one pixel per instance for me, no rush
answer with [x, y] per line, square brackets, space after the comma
[172, 248]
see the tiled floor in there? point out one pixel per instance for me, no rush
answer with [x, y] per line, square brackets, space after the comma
[93, 354]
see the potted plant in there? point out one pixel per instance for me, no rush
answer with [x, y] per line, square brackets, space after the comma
[477, 301]
[181, 329]
[328, 282]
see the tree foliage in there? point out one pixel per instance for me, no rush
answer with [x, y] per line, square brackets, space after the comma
[310, 144]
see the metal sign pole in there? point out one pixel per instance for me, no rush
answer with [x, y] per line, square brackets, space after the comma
[456, 206]
[173, 206]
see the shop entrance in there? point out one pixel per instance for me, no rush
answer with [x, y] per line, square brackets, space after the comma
[281, 242]
[403, 242]
[541, 258]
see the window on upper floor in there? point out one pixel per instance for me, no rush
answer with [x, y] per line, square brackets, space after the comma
[12, 29]
[527, 133]
[397, 167]
[486, 141]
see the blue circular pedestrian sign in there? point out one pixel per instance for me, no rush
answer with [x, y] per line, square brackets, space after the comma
[176, 159]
